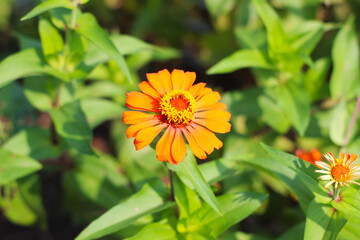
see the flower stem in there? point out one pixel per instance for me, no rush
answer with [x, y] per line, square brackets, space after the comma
[352, 122]
[336, 194]
[172, 197]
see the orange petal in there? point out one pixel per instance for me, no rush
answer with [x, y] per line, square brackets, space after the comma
[166, 79]
[189, 80]
[203, 92]
[140, 101]
[215, 106]
[145, 136]
[195, 89]
[164, 144]
[210, 136]
[214, 125]
[209, 99]
[132, 130]
[200, 139]
[214, 114]
[178, 79]
[134, 117]
[198, 152]
[352, 158]
[148, 89]
[178, 148]
[156, 82]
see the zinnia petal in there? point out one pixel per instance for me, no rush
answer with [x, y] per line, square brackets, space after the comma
[134, 117]
[215, 106]
[198, 152]
[178, 79]
[215, 125]
[164, 144]
[189, 80]
[148, 89]
[214, 114]
[145, 136]
[140, 101]
[208, 99]
[196, 89]
[132, 130]
[178, 148]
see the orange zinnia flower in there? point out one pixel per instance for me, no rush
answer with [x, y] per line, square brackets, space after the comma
[172, 102]
[311, 157]
[339, 171]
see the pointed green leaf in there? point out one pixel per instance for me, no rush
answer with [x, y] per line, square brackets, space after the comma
[71, 124]
[338, 123]
[322, 222]
[294, 101]
[51, 40]
[235, 207]
[31, 62]
[278, 41]
[349, 202]
[34, 142]
[88, 27]
[186, 199]
[46, 6]
[303, 169]
[241, 59]
[146, 201]
[156, 231]
[344, 81]
[13, 166]
[189, 172]
[288, 176]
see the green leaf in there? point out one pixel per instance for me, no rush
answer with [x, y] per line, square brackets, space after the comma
[51, 40]
[189, 172]
[315, 78]
[306, 36]
[98, 179]
[303, 169]
[294, 233]
[158, 231]
[186, 199]
[145, 202]
[13, 166]
[71, 124]
[277, 39]
[338, 123]
[287, 175]
[351, 229]
[293, 100]
[241, 59]
[99, 110]
[235, 207]
[217, 170]
[37, 92]
[322, 222]
[30, 190]
[344, 81]
[46, 6]
[15, 208]
[90, 29]
[34, 142]
[31, 62]
[349, 202]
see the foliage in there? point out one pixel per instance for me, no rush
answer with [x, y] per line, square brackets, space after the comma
[289, 72]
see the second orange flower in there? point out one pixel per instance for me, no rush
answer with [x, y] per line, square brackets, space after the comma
[172, 103]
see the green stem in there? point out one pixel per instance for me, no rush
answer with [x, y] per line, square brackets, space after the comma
[171, 185]
[336, 193]
[73, 14]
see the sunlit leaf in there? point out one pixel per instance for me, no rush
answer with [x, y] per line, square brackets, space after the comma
[349, 202]
[13, 166]
[344, 81]
[31, 62]
[241, 59]
[156, 231]
[71, 124]
[88, 27]
[46, 6]
[189, 171]
[145, 202]
[338, 123]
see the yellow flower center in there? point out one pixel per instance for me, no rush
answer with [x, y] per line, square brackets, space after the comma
[341, 173]
[178, 107]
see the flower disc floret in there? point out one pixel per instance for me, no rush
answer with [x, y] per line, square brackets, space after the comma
[178, 107]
